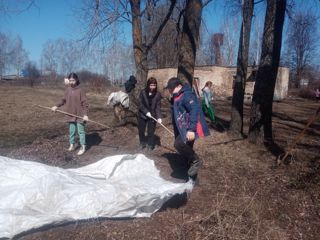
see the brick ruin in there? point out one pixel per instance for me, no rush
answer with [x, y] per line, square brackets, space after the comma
[222, 79]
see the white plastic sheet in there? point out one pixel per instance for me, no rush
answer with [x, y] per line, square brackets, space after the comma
[33, 194]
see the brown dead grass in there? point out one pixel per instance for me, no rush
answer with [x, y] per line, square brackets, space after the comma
[239, 194]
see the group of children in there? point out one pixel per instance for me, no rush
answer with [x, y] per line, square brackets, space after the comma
[187, 116]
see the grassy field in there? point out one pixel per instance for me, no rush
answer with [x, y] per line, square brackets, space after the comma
[240, 195]
[23, 121]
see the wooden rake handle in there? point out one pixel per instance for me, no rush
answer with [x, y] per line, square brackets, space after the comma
[310, 121]
[70, 114]
[163, 126]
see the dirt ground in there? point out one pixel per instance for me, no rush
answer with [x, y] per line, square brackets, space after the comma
[239, 195]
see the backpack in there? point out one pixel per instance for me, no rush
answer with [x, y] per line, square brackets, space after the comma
[130, 84]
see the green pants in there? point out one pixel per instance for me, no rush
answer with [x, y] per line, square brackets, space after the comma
[208, 111]
[73, 127]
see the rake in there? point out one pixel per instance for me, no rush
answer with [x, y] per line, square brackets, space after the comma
[69, 114]
[287, 156]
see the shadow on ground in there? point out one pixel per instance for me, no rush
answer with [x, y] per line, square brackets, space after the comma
[93, 139]
[178, 165]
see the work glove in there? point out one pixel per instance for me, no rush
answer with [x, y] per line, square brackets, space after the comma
[190, 136]
[54, 108]
[85, 118]
[148, 114]
[159, 120]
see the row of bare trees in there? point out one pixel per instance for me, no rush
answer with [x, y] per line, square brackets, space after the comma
[13, 56]
[162, 27]
[167, 33]
[301, 48]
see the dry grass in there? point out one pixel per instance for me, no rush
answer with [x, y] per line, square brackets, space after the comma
[239, 195]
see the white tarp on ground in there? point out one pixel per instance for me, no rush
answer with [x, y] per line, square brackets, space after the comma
[34, 194]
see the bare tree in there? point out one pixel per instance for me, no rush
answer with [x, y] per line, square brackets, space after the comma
[230, 29]
[118, 60]
[189, 39]
[255, 44]
[61, 56]
[32, 72]
[141, 48]
[260, 128]
[236, 124]
[205, 53]
[302, 42]
[6, 7]
[19, 55]
[160, 56]
[105, 13]
[12, 55]
[4, 49]
[49, 57]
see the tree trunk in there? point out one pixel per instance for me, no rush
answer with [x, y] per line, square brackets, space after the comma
[141, 48]
[139, 52]
[189, 40]
[236, 124]
[260, 128]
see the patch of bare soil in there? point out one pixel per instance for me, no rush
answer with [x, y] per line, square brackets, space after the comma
[239, 193]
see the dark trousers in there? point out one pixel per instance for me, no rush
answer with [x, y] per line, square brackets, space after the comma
[151, 127]
[185, 149]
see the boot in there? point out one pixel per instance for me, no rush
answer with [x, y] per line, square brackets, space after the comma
[194, 167]
[142, 146]
[71, 147]
[82, 150]
[149, 148]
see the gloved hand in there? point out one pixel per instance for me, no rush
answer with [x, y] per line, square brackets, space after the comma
[159, 120]
[190, 136]
[85, 118]
[148, 114]
[54, 108]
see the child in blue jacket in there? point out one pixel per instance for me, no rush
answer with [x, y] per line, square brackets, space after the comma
[188, 122]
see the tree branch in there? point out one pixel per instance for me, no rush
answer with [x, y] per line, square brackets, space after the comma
[154, 39]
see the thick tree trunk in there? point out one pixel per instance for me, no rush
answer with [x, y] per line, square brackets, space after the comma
[236, 124]
[189, 40]
[141, 48]
[140, 54]
[261, 109]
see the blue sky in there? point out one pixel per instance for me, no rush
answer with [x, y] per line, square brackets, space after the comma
[53, 19]
[47, 20]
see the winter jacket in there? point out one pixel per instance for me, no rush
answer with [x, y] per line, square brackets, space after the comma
[75, 102]
[187, 114]
[207, 95]
[154, 107]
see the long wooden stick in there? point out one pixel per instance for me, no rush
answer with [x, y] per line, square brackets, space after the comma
[163, 126]
[65, 113]
[292, 145]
